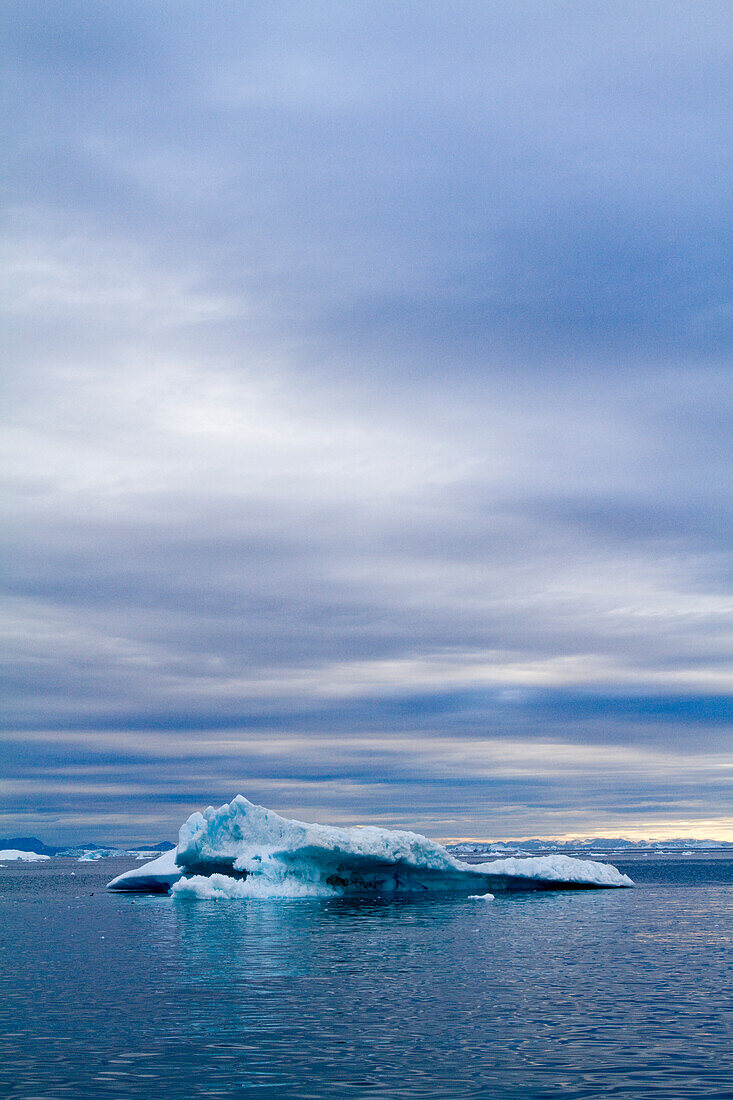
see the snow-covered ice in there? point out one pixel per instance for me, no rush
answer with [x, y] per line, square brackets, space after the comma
[155, 877]
[8, 854]
[246, 851]
[562, 870]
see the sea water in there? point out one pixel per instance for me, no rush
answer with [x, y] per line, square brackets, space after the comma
[619, 993]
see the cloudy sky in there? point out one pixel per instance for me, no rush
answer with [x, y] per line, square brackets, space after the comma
[366, 419]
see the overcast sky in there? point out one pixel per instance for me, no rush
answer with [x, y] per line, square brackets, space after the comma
[367, 415]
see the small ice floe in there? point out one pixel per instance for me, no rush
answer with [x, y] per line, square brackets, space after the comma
[243, 851]
[480, 897]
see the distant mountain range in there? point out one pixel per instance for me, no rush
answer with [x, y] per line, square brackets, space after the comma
[33, 844]
[588, 844]
[466, 847]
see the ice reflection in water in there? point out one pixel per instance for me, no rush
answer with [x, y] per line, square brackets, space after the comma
[587, 995]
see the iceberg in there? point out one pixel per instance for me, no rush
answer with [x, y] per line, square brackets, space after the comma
[8, 854]
[246, 851]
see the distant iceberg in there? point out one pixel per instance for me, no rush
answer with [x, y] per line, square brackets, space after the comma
[91, 855]
[11, 854]
[245, 851]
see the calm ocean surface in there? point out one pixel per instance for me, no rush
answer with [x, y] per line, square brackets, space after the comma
[619, 993]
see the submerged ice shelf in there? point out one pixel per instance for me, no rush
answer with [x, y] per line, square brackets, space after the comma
[246, 851]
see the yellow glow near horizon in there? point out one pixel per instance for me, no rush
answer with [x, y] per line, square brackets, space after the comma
[715, 829]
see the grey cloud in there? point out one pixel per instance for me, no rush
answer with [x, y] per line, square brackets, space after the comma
[544, 181]
[368, 369]
[475, 787]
